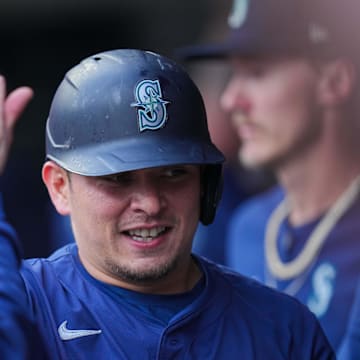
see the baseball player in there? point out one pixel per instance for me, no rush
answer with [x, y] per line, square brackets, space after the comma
[293, 101]
[130, 159]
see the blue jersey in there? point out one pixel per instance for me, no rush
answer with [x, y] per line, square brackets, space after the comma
[232, 317]
[350, 347]
[19, 339]
[328, 286]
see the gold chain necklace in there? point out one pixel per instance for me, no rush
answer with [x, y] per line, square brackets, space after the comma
[288, 270]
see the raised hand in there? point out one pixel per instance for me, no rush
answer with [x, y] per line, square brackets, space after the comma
[11, 107]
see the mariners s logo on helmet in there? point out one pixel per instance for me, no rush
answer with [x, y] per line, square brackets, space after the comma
[152, 113]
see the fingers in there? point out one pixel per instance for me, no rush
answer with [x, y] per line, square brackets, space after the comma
[11, 107]
[15, 104]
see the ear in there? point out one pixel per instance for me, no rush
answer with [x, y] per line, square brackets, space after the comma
[58, 184]
[336, 83]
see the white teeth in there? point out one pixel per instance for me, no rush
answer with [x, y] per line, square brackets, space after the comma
[146, 234]
[153, 232]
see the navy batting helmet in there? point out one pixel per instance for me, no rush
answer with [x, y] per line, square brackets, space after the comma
[125, 110]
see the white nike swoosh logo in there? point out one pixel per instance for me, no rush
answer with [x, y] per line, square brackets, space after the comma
[67, 334]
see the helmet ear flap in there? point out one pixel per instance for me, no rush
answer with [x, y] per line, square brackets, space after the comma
[212, 191]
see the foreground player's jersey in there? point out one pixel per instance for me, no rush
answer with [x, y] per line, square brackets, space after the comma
[233, 317]
[327, 287]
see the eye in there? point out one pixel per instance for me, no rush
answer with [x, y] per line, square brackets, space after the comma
[121, 178]
[175, 172]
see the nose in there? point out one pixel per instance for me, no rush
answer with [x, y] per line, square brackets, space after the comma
[235, 97]
[148, 198]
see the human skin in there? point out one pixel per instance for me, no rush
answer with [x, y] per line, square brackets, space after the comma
[133, 229]
[274, 108]
[12, 106]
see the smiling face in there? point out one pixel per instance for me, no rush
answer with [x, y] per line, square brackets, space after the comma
[133, 229]
[273, 104]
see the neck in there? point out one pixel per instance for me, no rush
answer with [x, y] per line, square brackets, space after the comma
[313, 185]
[316, 239]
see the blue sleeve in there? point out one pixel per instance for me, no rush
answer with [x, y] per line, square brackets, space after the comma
[18, 337]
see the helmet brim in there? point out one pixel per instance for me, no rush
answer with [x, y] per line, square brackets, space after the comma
[133, 155]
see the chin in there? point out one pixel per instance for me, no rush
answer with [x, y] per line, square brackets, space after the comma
[251, 160]
[141, 273]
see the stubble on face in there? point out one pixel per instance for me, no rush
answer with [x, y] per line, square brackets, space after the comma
[138, 276]
[110, 253]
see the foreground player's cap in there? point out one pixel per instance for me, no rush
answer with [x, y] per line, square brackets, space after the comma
[273, 27]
